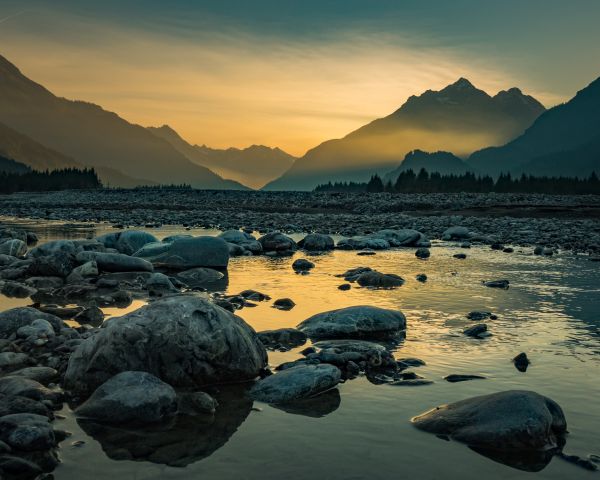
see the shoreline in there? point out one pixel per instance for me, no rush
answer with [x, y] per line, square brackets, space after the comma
[566, 222]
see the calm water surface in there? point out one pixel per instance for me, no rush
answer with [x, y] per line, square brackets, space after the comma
[551, 311]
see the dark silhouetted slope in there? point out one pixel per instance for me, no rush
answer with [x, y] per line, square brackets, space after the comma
[563, 140]
[93, 136]
[445, 163]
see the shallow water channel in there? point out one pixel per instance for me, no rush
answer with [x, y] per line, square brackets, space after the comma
[362, 430]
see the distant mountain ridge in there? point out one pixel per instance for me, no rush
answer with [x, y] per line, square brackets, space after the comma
[459, 118]
[8, 165]
[94, 137]
[445, 163]
[253, 166]
[565, 140]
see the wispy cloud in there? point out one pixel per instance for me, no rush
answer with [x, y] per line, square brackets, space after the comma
[235, 87]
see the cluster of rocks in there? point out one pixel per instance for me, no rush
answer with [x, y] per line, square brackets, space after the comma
[548, 221]
[160, 363]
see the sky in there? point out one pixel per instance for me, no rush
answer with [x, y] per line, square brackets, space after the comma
[293, 73]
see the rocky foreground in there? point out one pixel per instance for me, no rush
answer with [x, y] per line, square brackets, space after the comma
[135, 381]
[556, 221]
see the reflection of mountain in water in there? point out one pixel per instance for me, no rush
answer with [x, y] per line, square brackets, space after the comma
[183, 441]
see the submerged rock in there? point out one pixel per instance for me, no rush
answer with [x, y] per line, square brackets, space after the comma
[503, 284]
[379, 280]
[185, 340]
[302, 265]
[422, 253]
[454, 378]
[521, 362]
[354, 322]
[296, 383]
[477, 331]
[284, 304]
[131, 398]
[510, 420]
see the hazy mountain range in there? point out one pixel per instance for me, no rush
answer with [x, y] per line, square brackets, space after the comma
[253, 166]
[92, 136]
[43, 131]
[459, 118]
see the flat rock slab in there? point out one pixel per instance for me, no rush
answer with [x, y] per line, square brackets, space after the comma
[296, 383]
[354, 322]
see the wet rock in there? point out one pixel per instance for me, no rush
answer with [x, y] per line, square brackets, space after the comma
[284, 304]
[521, 362]
[363, 243]
[14, 289]
[538, 250]
[456, 233]
[159, 284]
[93, 316]
[27, 432]
[454, 378]
[10, 404]
[196, 403]
[131, 398]
[243, 240]
[401, 238]
[580, 462]
[366, 253]
[6, 260]
[19, 467]
[302, 265]
[503, 284]
[115, 262]
[185, 340]
[200, 276]
[379, 280]
[344, 287]
[479, 315]
[183, 253]
[288, 337]
[25, 387]
[127, 242]
[316, 242]
[296, 383]
[405, 363]
[340, 353]
[15, 318]
[353, 274]
[13, 247]
[80, 273]
[413, 382]
[422, 253]
[59, 264]
[510, 420]
[43, 375]
[508, 250]
[39, 328]
[50, 248]
[354, 322]
[477, 331]
[45, 283]
[277, 242]
[13, 359]
[254, 296]
[460, 256]
[421, 277]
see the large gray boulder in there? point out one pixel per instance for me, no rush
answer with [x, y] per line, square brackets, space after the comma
[15, 318]
[510, 420]
[185, 340]
[354, 322]
[296, 383]
[115, 262]
[128, 241]
[130, 397]
[187, 252]
[316, 242]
